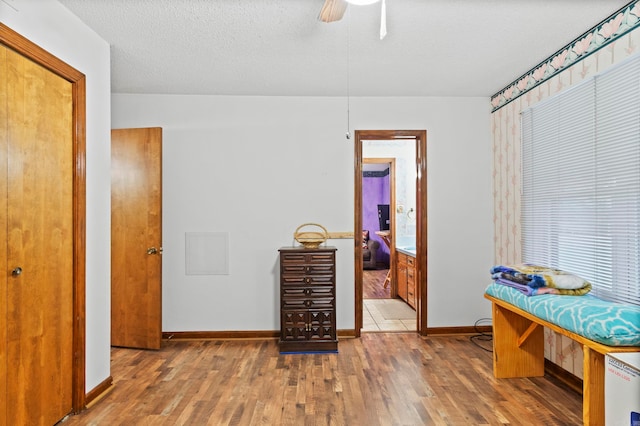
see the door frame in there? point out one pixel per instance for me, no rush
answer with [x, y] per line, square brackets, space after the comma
[420, 137]
[33, 52]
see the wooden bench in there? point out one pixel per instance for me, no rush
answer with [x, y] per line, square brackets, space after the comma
[518, 351]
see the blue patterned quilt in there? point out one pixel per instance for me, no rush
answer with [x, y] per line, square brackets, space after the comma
[609, 323]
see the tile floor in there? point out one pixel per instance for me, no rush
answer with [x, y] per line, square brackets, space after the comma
[372, 319]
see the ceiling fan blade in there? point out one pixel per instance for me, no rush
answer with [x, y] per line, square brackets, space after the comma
[332, 10]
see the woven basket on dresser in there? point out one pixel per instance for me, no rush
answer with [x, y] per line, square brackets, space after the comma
[311, 239]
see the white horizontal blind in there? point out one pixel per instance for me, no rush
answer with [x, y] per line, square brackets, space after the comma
[581, 182]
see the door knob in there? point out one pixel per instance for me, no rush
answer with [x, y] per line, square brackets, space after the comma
[152, 250]
[17, 271]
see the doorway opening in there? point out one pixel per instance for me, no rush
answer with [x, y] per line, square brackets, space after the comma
[390, 209]
[388, 184]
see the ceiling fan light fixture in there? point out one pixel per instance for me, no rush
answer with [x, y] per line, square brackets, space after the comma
[362, 2]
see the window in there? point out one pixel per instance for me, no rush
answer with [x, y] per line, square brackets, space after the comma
[581, 182]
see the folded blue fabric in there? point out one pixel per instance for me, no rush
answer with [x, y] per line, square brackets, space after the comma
[609, 323]
[533, 280]
[522, 288]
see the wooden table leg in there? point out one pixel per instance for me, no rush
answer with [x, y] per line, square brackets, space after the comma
[386, 237]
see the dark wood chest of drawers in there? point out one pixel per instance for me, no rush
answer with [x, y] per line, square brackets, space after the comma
[308, 299]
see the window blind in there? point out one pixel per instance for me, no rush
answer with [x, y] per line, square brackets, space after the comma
[581, 182]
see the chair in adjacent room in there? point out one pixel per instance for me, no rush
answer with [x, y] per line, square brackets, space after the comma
[369, 251]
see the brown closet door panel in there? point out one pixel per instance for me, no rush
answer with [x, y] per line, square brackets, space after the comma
[40, 242]
[3, 234]
[136, 227]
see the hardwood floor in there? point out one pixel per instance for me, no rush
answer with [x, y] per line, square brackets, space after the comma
[373, 284]
[378, 379]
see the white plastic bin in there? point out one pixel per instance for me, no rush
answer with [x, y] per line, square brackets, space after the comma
[622, 389]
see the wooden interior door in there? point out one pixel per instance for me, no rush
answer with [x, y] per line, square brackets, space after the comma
[136, 238]
[37, 160]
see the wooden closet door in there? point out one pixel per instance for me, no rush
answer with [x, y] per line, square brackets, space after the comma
[38, 166]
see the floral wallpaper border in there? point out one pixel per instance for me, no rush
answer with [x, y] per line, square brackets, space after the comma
[612, 28]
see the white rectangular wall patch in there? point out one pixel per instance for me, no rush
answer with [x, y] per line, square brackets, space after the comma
[207, 253]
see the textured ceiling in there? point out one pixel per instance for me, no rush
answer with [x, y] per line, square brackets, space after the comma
[278, 47]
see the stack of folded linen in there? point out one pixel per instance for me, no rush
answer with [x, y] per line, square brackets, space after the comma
[533, 280]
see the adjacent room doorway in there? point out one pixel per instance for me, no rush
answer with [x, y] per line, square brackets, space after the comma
[386, 306]
[417, 216]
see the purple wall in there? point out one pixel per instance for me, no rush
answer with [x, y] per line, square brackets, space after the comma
[375, 190]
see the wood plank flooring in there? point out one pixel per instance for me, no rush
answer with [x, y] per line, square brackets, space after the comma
[373, 284]
[378, 379]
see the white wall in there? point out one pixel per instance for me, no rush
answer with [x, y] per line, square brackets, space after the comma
[52, 27]
[257, 167]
